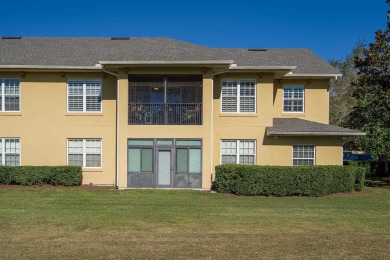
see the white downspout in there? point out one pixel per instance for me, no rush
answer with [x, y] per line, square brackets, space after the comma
[212, 131]
[212, 121]
[116, 127]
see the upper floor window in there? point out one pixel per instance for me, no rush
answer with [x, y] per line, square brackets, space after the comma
[293, 99]
[238, 96]
[85, 152]
[9, 95]
[238, 152]
[9, 151]
[303, 155]
[84, 96]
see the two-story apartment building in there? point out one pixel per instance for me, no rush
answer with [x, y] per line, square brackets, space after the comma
[157, 112]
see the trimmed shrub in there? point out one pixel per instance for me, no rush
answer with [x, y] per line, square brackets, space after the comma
[40, 175]
[360, 177]
[287, 180]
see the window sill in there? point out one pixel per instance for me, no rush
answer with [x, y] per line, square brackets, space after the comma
[7, 113]
[84, 114]
[294, 114]
[237, 115]
[92, 169]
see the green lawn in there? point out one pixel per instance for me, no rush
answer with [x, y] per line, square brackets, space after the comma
[52, 223]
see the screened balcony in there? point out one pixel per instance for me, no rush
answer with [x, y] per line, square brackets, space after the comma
[165, 100]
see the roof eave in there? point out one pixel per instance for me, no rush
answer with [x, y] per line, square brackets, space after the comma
[286, 69]
[168, 63]
[48, 67]
[275, 133]
[312, 75]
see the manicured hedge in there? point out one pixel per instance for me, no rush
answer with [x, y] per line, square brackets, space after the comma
[287, 180]
[40, 175]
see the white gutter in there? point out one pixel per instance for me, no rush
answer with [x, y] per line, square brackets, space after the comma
[165, 62]
[117, 128]
[49, 67]
[312, 75]
[262, 67]
[221, 72]
[270, 133]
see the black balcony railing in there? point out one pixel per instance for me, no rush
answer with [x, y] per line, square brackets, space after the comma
[165, 114]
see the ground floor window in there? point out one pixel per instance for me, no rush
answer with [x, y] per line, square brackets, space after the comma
[238, 152]
[303, 155]
[86, 153]
[9, 151]
[164, 163]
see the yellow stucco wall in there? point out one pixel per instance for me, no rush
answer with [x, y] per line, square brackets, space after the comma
[278, 150]
[316, 101]
[43, 125]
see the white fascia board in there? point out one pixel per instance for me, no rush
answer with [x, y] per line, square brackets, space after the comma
[162, 62]
[270, 133]
[263, 68]
[48, 67]
[312, 75]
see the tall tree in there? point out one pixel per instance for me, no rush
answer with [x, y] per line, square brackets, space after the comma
[372, 92]
[341, 93]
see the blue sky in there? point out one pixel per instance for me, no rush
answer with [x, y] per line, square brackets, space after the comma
[330, 28]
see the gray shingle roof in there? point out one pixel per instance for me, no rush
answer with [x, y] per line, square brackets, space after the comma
[60, 51]
[306, 61]
[300, 127]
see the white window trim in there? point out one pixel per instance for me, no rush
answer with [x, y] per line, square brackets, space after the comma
[3, 150]
[303, 99]
[238, 150]
[2, 97]
[85, 152]
[292, 154]
[238, 96]
[84, 96]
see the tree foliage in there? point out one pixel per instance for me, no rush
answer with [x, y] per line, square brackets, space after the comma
[372, 92]
[341, 98]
